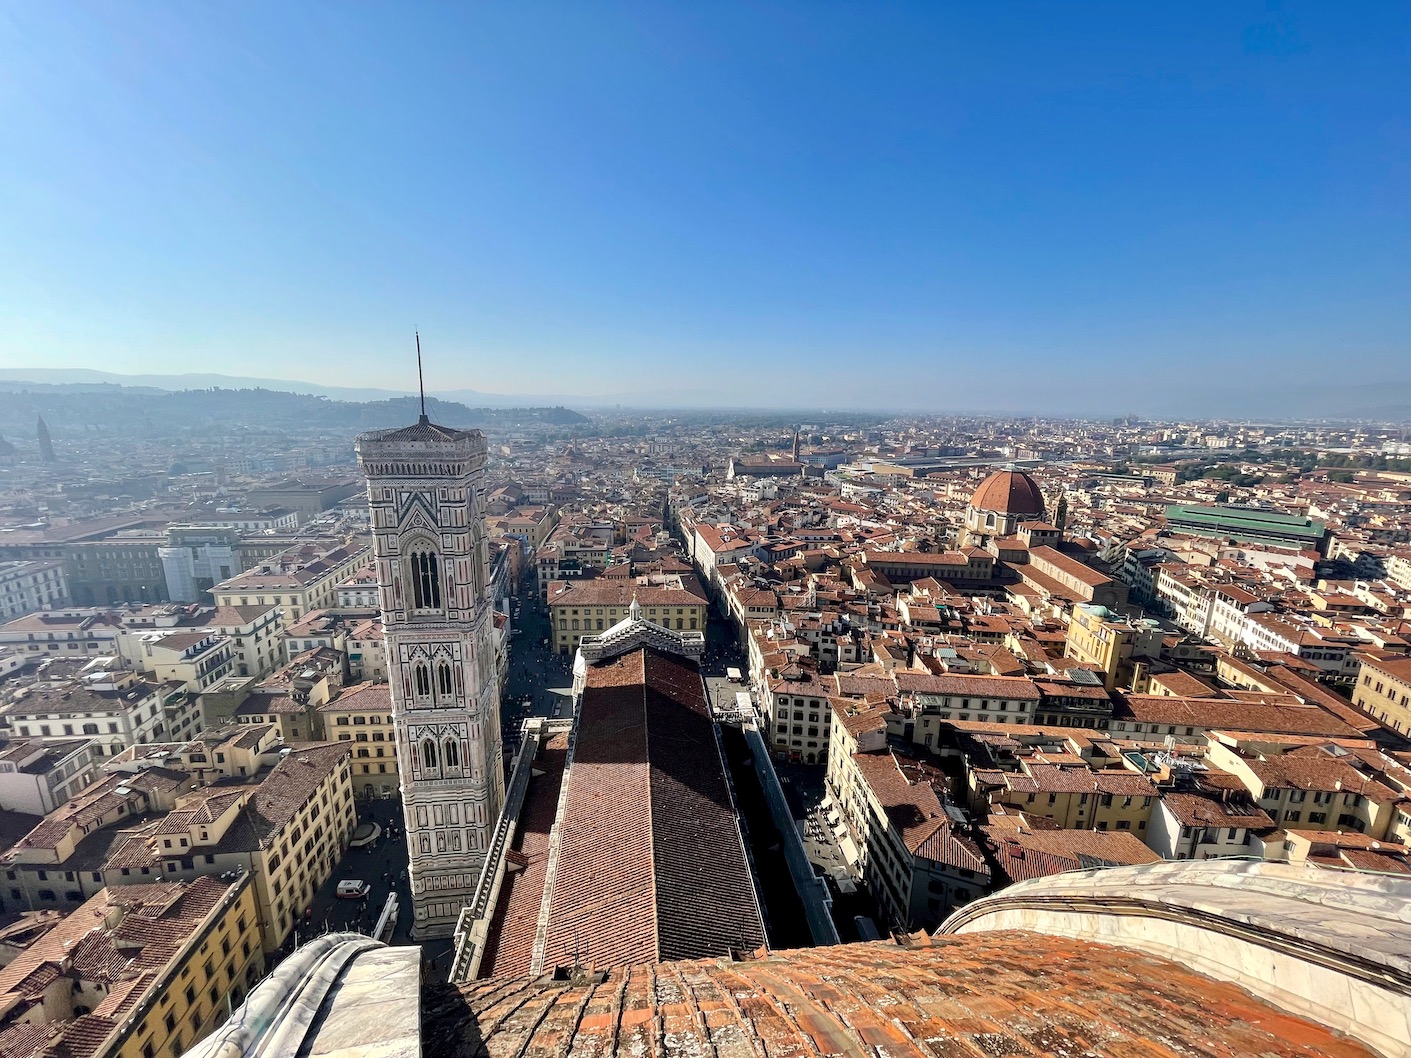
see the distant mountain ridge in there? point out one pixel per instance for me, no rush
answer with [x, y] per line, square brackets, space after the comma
[82, 376]
[178, 383]
[154, 413]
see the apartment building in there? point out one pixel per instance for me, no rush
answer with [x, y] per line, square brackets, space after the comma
[367, 652]
[290, 698]
[298, 580]
[64, 860]
[254, 632]
[1383, 689]
[928, 700]
[586, 607]
[574, 550]
[1120, 649]
[1312, 791]
[1072, 796]
[330, 629]
[61, 633]
[712, 546]
[29, 586]
[286, 826]
[799, 715]
[895, 831]
[362, 716]
[195, 660]
[359, 591]
[39, 774]
[1205, 813]
[116, 707]
[530, 525]
[291, 829]
[135, 972]
[1153, 717]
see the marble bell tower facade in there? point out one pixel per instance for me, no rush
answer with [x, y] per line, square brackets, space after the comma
[426, 491]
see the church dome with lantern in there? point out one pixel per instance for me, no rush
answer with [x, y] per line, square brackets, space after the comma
[1004, 500]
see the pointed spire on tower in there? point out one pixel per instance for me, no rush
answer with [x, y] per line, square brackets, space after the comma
[46, 443]
[796, 444]
[634, 612]
[420, 381]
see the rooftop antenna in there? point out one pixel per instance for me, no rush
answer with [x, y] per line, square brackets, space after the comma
[420, 382]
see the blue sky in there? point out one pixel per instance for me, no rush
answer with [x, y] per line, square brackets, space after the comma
[1029, 206]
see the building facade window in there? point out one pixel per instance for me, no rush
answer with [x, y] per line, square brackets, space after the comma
[426, 580]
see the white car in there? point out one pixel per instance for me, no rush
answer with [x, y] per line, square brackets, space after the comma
[352, 889]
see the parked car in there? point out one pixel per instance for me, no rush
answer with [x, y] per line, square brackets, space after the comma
[352, 889]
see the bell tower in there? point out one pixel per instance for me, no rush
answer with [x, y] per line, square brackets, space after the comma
[425, 488]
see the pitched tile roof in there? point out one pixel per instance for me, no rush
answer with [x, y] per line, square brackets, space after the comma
[509, 943]
[645, 793]
[124, 955]
[1231, 714]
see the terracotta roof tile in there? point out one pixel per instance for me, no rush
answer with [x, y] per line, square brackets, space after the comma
[1003, 993]
[644, 793]
[509, 944]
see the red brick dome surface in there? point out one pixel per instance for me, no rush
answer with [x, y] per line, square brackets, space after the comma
[1009, 492]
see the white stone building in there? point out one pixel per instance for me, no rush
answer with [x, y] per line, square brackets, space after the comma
[29, 586]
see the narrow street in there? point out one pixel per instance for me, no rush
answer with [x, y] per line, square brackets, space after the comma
[539, 682]
[381, 865]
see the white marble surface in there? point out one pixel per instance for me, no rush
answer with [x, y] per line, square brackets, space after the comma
[376, 1009]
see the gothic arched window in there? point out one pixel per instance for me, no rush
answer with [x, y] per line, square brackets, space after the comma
[428, 753]
[423, 680]
[426, 580]
[446, 685]
[453, 754]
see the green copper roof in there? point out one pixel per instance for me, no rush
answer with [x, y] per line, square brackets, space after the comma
[1245, 523]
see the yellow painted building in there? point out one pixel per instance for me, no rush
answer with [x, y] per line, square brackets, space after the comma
[1312, 789]
[589, 607]
[1099, 638]
[305, 819]
[1383, 690]
[1071, 797]
[362, 715]
[136, 971]
[286, 828]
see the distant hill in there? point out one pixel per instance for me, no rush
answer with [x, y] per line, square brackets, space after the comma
[150, 412]
[177, 383]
